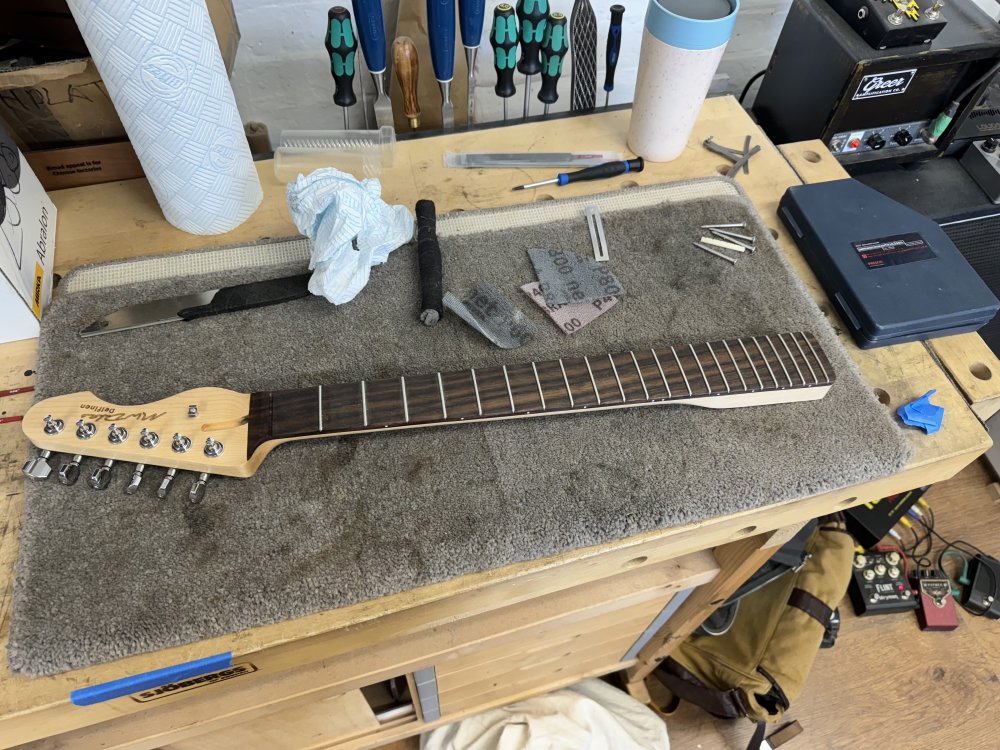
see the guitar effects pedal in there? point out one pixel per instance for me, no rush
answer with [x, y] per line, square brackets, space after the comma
[877, 584]
[936, 609]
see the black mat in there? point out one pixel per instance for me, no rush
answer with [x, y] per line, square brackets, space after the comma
[324, 524]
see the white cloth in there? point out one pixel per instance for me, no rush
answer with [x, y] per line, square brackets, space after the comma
[351, 228]
[591, 715]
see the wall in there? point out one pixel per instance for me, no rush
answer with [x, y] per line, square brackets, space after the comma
[282, 73]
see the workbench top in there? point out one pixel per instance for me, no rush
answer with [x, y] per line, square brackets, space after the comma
[119, 220]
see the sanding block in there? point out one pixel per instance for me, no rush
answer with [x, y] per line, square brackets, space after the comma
[892, 273]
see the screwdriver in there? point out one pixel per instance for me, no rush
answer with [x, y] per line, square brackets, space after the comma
[614, 47]
[503, 38]
[470, 22]
[600, 172]
[342, 46]
[441, 35]
[371, 35]
[404, 58]
[532, 14]
[554, 48]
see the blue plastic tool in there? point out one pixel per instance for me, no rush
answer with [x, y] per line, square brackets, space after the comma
[614, 48]
[105, 691]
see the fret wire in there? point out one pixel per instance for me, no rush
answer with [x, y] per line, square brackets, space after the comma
[662, 375]
[620, 386]
[775, 349]
[703, 375]
[724, 379]
[475, 387]
[510, 393]
[406, 407]
[818, 360]
[746, 352]
[738, 372]
[781, 337]
[364, 403]
[679, 367]
[444, 406]
[539, 384]
[319, 393]
[808, 363]
[592, 381]
[761, 350]
[566, 381]
[642, 380]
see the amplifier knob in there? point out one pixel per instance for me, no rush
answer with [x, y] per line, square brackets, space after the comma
[892, 558]
[875, 141]
[880, 569]
[893, 572]
[903, 138]
[860, 561]
[869, 575]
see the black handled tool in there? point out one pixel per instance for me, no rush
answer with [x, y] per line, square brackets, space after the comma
[342, 45]
[554, 48]
[429, 261]
[503, 38]
[533, 15]
[614, 48]
[600, 172]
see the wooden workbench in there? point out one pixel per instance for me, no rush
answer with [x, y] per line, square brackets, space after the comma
[494, 636]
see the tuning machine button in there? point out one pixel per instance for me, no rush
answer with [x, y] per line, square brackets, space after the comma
[148, 439]
[85, 430]
[164, 488]
[69, 472]
[38, 468]
[117, 435]
[136, 480]
[100, 478]
[213, 448]
[53, 426]
[197, 491]
[180, 443]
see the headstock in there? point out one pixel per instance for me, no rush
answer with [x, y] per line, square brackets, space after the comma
[203, 430]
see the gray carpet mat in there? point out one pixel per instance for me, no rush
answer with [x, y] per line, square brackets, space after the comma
[328, 523]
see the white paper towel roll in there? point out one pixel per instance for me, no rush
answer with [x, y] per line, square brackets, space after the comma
[161, 65]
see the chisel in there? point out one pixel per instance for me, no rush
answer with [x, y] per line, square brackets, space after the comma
[614, 48]
[553, 52]
[583, 52]
[503, 38]
[533, 15]
[404, 57]
[470, 22]
[342, 47]
[600, 172]
[441, 34]
[371, 34]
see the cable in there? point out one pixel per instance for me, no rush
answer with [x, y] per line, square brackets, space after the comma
[750, 83]
[932, 132]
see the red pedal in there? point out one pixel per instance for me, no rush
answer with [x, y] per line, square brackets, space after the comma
[936, 608]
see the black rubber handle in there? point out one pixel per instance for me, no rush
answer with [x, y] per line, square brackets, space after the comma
[554, 49]
[503, 38]
[601, 171]
[429, 260]
[342, 46]
[248, 296]
[533, 15]
[614, 46]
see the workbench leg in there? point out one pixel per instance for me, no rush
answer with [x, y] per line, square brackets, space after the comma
[737, 562]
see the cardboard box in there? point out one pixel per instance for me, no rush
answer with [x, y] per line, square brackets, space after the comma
[27, 245]
[63, 103]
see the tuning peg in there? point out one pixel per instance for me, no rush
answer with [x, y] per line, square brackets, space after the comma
[69, 472]
[180, 443]
[85, 430]
[38, 468]
[53, 426]
[117, 435]
[213, 448]
[197, 492]
[148, 439]
[136, 479]
[164, 487]
[100, 477]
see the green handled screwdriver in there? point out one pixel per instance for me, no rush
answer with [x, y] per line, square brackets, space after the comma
[554, 48]
[342, 45]
[503, 38]
[532, 14]
[600, 172]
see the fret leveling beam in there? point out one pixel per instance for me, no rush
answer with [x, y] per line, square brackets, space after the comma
[234, 432]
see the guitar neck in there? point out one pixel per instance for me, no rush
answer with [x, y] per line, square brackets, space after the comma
[732, 372]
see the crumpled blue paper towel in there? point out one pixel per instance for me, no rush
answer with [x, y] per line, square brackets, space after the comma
[351, 228]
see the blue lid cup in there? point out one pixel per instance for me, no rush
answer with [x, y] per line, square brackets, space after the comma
[692, 24]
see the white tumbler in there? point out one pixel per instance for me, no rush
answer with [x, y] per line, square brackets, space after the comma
[682, 44]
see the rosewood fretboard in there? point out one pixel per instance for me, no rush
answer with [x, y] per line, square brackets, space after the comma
[752, 365]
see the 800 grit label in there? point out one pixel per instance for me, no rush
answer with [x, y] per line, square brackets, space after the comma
[893, 251]
[172, 688]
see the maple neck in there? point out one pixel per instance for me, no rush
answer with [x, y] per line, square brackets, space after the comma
[684, 373]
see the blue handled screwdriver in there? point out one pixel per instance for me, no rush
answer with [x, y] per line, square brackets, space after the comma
[614, 48]
[441, 35]
[599, 172]
[371, 35]
[470, 22]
